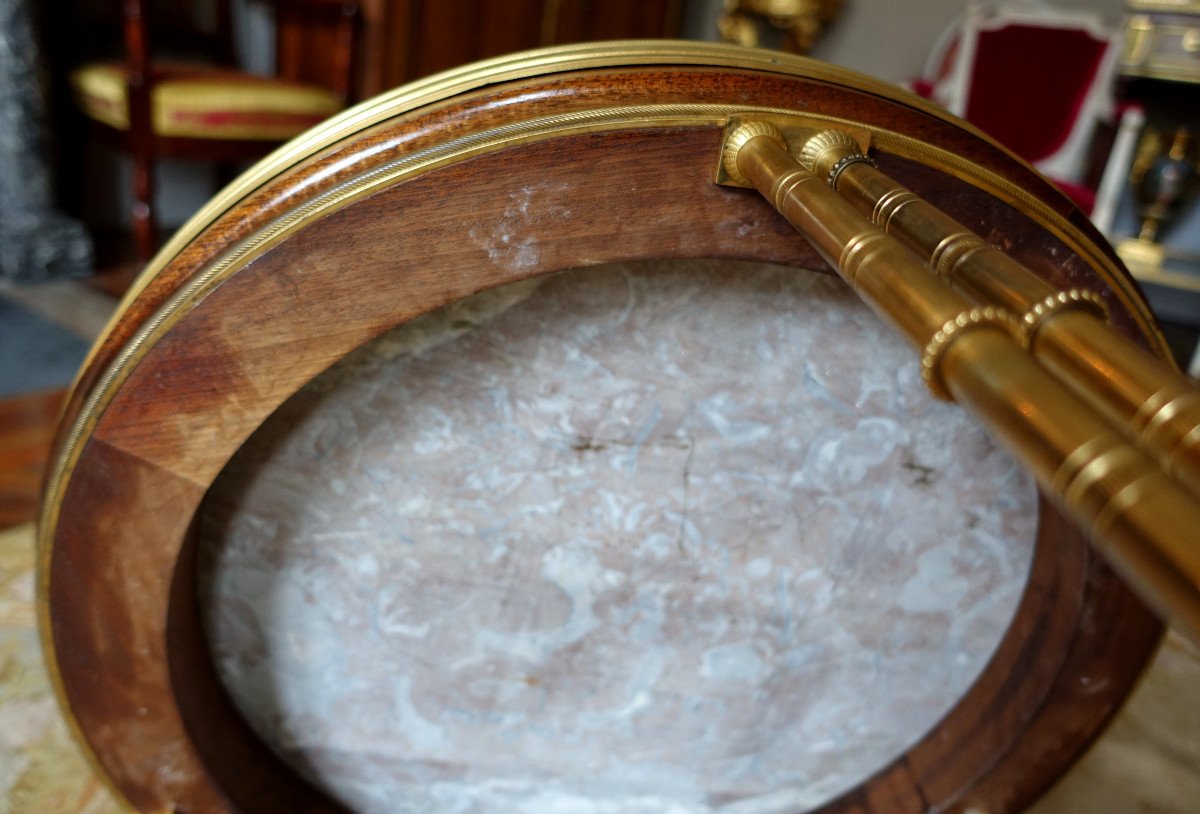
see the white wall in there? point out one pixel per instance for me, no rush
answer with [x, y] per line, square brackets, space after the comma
[888, 40]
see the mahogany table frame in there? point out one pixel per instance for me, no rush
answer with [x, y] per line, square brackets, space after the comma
[362, 225]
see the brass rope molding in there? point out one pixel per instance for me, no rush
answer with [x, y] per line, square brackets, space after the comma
[939, 343]
[1112, 434]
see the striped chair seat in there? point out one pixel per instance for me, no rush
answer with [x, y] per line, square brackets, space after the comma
[190, 101]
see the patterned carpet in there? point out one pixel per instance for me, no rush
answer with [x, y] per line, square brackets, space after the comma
[41, 768]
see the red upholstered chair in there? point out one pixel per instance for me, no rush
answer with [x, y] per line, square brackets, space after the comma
[162, 109]
[1038, 79]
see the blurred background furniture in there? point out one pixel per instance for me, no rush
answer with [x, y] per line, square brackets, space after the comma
[404, 40]
[1038, 79]
[157, 107]
[326, 53]
[1159, 68]
[795, 24]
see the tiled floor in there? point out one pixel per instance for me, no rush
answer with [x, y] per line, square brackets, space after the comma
[1148, 761]
[37, 354]
[71, 304]
[46, 330]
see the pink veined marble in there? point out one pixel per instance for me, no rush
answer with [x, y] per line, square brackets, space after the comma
[672, 537]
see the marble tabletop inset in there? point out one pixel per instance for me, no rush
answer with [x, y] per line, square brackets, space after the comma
[651, 538]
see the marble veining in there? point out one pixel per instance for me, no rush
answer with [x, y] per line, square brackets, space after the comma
[684, 537]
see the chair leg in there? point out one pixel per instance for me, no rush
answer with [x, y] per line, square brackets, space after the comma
[145, 225]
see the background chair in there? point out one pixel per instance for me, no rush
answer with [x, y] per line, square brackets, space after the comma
[183, 108]
[1039, 80]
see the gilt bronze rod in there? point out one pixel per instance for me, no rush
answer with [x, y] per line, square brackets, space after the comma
[1155, 405]
[1144, 524]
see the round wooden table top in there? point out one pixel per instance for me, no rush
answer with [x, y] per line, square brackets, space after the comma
[637, 506]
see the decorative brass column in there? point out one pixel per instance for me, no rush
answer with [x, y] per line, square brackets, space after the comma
[979, 355]
[1155, 406]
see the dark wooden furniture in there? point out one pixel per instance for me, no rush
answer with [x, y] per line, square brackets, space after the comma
[405, 40]
[157, 108]
[367, 224]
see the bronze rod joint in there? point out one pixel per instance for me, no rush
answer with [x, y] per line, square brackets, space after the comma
[1066, 330]
[1099, 423]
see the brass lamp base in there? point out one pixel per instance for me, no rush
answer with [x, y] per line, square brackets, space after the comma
[1142, 256]
[1147, 261]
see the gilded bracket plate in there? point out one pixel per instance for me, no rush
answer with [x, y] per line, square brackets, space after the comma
[796, 131]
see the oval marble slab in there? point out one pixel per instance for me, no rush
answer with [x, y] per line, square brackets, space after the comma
[659, 537]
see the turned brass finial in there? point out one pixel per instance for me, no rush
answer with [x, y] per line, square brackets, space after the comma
[738, 138]
[823, 151]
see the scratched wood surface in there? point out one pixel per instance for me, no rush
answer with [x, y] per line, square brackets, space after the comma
[130, 654]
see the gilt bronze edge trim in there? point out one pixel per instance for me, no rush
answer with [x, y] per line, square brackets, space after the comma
[419, 162]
